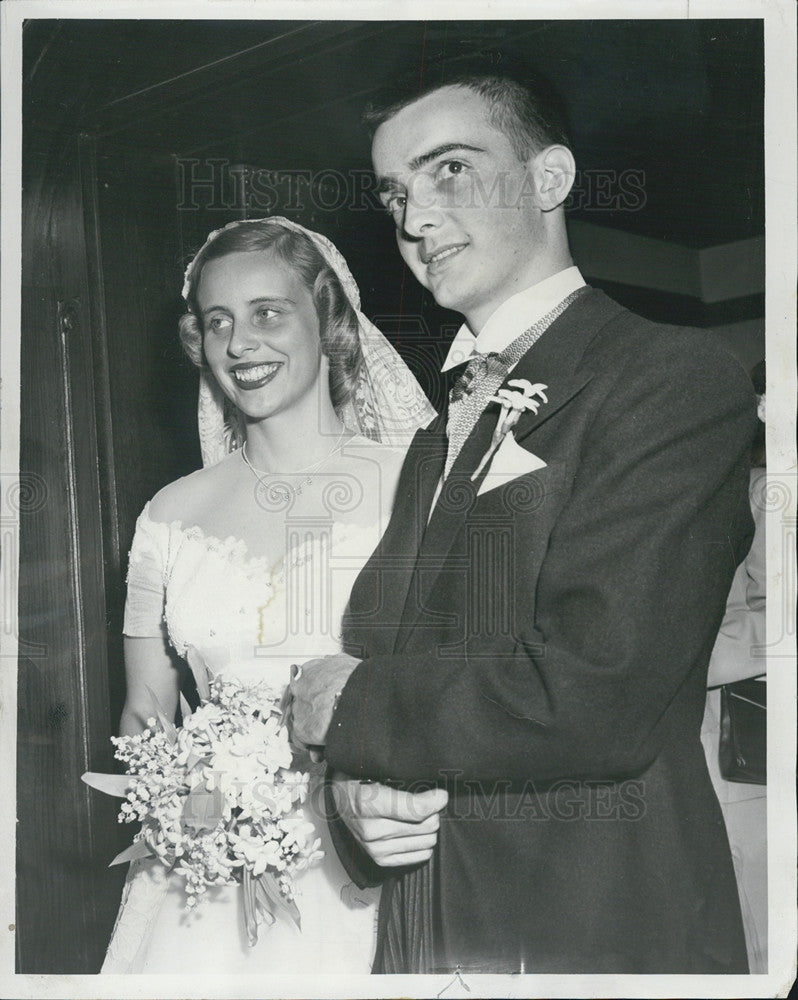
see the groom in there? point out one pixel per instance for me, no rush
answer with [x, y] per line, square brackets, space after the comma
[514, 735]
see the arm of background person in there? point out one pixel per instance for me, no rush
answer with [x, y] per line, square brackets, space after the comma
[628, 601]
[743, 625]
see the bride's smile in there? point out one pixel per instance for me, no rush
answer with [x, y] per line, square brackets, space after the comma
[253, 376]
[260, 334]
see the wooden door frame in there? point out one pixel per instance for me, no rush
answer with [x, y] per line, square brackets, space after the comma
[71, 555]
[63, 705]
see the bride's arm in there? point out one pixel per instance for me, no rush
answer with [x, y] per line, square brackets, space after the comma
[148, 665]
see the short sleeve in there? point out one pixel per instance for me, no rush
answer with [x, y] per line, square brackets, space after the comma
[739, 647]
[756, 577]
[146, 581]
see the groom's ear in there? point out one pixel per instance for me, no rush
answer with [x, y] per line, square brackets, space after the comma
[553, 171]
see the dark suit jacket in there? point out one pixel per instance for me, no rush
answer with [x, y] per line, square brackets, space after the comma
[541, 650]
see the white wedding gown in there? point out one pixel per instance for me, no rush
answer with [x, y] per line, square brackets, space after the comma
[252, 620]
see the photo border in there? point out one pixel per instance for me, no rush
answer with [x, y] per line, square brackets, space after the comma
[781, 269]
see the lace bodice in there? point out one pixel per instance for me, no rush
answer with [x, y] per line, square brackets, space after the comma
[248, 616]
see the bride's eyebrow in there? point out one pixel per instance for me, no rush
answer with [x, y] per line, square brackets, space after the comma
[276, 299]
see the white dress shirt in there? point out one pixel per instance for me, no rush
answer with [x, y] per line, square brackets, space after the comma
[513, 316]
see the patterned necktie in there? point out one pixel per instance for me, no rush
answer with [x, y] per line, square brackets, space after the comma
[483, 375]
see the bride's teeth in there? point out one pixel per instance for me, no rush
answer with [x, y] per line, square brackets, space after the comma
[254, 374]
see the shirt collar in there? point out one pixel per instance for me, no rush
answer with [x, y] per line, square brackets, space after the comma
[513, 316]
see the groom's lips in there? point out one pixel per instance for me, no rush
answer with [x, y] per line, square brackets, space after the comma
[439, 257]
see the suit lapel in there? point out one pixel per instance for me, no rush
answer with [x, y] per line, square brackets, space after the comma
[558, 394]
[394, 561]
[553, 360]
[557, 359]
[458, 493]
[429, 468]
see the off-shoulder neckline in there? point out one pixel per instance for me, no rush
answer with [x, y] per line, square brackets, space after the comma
[236, 549]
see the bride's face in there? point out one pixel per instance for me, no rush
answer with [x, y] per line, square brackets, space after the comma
[260, 333]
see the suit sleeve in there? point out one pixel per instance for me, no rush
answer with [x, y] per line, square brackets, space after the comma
[626, 606]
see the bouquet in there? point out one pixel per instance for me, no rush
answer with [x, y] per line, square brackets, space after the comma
[217, 799]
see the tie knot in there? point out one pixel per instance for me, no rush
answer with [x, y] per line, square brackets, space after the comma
[479, 365]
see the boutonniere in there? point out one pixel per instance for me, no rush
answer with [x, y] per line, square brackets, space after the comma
[513, 402]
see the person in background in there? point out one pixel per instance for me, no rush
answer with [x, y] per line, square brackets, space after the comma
[739, 654]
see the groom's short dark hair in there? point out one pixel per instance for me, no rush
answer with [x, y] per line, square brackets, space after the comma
[522, 103]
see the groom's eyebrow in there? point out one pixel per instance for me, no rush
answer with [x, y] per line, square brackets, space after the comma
[385, 184]
[446, 147]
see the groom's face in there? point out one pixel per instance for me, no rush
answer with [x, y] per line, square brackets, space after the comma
[464, 204]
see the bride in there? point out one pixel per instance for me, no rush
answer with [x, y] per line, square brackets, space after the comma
[304, 408]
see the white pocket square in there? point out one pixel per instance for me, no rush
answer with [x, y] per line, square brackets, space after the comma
[509, 462]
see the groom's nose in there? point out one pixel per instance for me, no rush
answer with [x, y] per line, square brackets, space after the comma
[422, 213]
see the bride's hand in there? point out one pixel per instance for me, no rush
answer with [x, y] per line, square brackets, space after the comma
[394, 828]
[313, 692]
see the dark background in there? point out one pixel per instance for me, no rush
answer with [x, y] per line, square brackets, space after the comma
[141, 136]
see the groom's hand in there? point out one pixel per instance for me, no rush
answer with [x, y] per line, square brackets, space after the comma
[313, 692]
[394, 828]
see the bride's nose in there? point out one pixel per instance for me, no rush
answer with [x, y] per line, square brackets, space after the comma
[243, 337]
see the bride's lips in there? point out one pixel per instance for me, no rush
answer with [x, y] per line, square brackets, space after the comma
[254, 376]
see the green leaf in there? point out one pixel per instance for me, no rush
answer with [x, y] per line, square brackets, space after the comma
[253, 901]
[269, 895]
[111, 784]
[138, 849]
[167, 724]
[250, 914]
[193, 760]
[185, 708]
[201, 671]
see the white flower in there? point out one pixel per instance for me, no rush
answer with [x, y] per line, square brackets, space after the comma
[232, 745]
[513, 402]
[313, 854]
[296, 782]
[297, 830]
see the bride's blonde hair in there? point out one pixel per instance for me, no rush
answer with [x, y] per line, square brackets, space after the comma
[338, 324]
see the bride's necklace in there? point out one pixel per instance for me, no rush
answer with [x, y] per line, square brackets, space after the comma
[307, 473]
